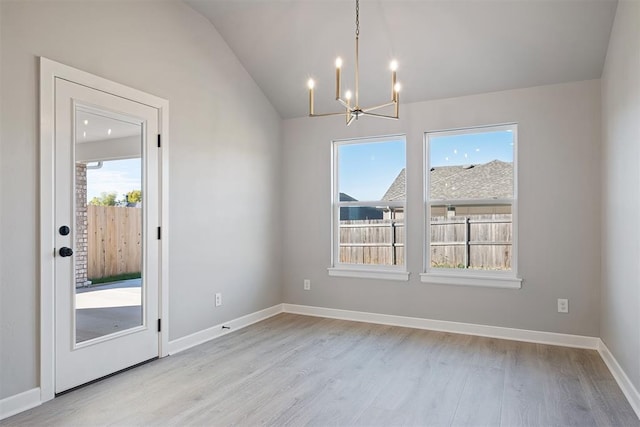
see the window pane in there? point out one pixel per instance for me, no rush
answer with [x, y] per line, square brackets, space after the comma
[471, 166]
[370, 192]
[372, 171]
[471, 237]
[373, 241]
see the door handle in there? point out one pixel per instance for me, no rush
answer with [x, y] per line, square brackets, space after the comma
[65, 251]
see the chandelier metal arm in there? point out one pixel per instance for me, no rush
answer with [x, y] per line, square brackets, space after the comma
[357, 92]
[377, 107]
[344, 104]
[382, 116]
[342, 113]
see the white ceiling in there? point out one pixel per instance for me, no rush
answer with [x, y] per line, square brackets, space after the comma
[95, 127]
[445, 48]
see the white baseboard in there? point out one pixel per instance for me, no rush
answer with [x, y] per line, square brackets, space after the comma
[552, 338]
[627, 387]
[216, 331]
[19, 402]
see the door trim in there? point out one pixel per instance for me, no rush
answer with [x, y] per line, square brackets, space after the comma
[49, 71]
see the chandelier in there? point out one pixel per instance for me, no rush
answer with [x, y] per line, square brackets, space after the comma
[354, 111]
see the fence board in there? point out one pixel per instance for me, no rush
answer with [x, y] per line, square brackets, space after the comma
[114, 240]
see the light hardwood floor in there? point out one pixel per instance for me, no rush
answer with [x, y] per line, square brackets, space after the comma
[294, 370]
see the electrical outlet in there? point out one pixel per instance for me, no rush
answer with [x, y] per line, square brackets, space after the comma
[307, 284]
[218, 299]
[563, 305]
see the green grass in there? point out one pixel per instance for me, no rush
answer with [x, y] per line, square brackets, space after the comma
[446, 265]
[117, 278]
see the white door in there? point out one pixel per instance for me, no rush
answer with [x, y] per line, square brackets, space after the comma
[106, 234]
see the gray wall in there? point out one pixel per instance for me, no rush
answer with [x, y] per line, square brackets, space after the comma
[620, 308]
[224, 161]
[559, 192]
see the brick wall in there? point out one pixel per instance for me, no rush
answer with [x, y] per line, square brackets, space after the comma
[80, 251]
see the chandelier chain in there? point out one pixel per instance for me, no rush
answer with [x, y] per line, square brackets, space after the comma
[357, 18]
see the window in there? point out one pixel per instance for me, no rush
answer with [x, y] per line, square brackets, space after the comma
[471, 189]
[369, 194]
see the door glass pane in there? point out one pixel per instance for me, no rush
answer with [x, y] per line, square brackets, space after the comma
[108, 229]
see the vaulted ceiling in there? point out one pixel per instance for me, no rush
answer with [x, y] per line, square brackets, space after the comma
[445, 48]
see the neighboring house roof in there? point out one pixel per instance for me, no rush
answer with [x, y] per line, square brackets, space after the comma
[484, 181]
[344, 197]
[398, 188]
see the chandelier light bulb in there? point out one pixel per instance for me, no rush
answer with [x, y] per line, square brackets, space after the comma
[397, 87]
[311, 84]
[394, 65]
[347, 95]
[338, 62]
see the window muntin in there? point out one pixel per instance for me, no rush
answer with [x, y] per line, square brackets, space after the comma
[369, 194]
[470, 200]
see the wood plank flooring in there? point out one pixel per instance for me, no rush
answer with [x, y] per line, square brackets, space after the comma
[293, 370]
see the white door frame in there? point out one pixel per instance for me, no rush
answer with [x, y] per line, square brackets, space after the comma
[49, 71]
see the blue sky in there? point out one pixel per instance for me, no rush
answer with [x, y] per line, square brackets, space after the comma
[120, 176]
[476, 148]
[367, 170]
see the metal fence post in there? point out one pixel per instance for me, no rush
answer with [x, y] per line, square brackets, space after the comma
[467, 242]
[393, 240]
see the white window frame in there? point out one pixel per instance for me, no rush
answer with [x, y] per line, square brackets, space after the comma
[388, 272]
[462, 277]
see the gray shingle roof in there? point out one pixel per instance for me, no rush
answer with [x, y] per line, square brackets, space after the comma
[484, 181]
[398, 188]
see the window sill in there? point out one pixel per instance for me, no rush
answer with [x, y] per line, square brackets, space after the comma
[402, 276]
[504, 282]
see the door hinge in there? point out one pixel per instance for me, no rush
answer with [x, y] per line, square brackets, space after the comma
[159, 234]
[159, 325]
[159, 141]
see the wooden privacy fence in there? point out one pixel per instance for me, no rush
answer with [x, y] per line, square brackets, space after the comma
[476, 242]
[374, 241]
[114, 237]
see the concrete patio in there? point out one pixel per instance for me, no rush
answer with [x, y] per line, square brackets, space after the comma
[109, 308]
